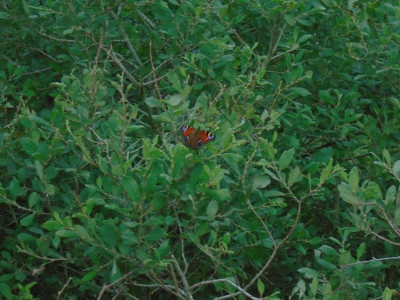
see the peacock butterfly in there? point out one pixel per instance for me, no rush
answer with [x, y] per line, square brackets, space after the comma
[196, 138]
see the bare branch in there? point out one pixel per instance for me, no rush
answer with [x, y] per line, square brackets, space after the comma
[154, 73]
[119, 63]
[183, 278]
[371, 260]
[225, 280]
[64, 287]
[106, 287]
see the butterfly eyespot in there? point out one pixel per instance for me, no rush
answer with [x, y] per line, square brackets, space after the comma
[195, 138]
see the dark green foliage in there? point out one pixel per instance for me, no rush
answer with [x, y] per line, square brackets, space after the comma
[297, 196]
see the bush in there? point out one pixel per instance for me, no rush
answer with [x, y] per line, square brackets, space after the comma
[100, 198]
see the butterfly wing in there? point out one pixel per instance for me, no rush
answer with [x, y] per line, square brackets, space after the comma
[206, 137]
[195, 138]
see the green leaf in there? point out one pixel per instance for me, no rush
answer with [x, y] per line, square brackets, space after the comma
[89, 276]
[82, 231]
[155, 234]
[175, 100]
[323, 155]
[361, 250]
[305, 38]
[260, 287]
[132, 189]
[261, 182]
[314, 286]
[227, 137]
[396, 168]
[115, 272]
[65, 233]
[298, 91]
[52, 225]
[387, 294]
[151, 182]
[286, 158]
[290, 20]
[347, 194]
[220, 194]
[166, 116]
[152, 102]
[326, 290]
[39, 170]
[28, 145]
[6, 291]
[159, 202]
[271, 174]
[326, 172]
[163, 250]
[373, 191]
[40, 121]
[354, 180]
[33, 199]
[308, 273]
[386, 157]
[301, 249]
[397, 216]
[226, 239]
[26, 7]
[26, 221]
[212, 208]
[325, 264]
[293, 175]
[91, 202]
[390, 195]
[15, 189]
[328, 250]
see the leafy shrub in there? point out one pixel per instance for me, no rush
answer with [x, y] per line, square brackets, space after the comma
[100, 198]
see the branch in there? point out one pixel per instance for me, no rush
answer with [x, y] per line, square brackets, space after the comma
[273, 254]
[241, 290]
[118, 62]
[262, 222]
[96, 63]
[183, 278]
[127, 40]
[371, 260]
[64, 287]
[106, 287]
[154, 73]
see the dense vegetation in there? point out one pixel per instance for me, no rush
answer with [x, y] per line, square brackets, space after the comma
[298, 196]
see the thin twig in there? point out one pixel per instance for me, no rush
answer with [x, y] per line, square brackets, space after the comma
[262, 222]
[118, 62]
[64, 287]
[241, 290]
[174, 279]
[275, 46]
[92, 90]
[54, 38]
[272, 256]
[386, 217]
[106, 287]
[183, 278]
[278, 92]
[34, 72]
[154, 73]
[126, 39]
[371, 260]
[168, 287]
